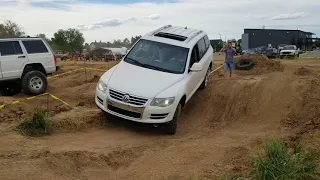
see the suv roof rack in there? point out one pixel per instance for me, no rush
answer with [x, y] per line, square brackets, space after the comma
[18, 37]
[193, 36]
[160, 29]
[171, 36]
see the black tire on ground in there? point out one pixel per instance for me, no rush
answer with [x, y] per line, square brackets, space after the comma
[34, 83]
[204, 83]
[244, 64]
[171, 127]
[10, 88]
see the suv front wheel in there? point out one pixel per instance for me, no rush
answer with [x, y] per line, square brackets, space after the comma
[34, 83]
[204, 84]
[171, 127]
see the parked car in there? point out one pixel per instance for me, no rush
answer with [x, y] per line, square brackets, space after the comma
[249, 51]
[157, 77]
[289, 51]
[271, 53]
[261, 49]
[25, 63]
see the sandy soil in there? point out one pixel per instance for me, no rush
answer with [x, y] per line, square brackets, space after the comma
[219, 129]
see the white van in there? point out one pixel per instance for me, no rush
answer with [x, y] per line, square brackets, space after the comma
[157, 77]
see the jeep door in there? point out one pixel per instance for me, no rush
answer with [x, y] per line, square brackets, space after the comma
[38, 52]
[12, 59]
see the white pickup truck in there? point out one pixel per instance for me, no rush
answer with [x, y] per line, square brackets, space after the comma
[289, 51]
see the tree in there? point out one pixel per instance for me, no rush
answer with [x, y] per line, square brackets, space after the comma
[69, 40]
[10, 29]
[87, 47]
[134, 40]
[126, 42]
[43, 36]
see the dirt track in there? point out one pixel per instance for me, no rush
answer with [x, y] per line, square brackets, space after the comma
[219, 129]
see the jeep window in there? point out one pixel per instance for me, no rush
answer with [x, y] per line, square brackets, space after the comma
[35, 46]
[10, 48]
[202, 48]
[158, 56]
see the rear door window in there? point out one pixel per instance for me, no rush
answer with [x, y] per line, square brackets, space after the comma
[8, 48]
[202, 48]
[35, 46]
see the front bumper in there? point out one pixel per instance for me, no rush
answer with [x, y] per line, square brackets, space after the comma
[145, 114]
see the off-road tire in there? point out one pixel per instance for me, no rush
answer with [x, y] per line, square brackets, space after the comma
[171, 127]
[204, 83]
[27, 86]
[244, 64]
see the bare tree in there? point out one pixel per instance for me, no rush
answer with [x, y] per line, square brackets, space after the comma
[10, 29]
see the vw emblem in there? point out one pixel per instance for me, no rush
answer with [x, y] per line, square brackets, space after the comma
[126, 98]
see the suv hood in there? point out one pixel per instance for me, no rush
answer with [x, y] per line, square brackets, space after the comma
[141, 81]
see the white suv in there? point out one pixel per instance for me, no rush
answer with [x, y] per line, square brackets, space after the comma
[24, 64]
[289, 50]
[157, 77]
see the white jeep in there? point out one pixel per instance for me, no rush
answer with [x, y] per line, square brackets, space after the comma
[289, 50]
[24, 65]
[157, 77]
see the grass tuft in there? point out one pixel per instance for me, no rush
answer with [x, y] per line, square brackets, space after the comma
[279, 162]
[37, 125]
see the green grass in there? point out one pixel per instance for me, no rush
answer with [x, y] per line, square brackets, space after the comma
[277, 162]
[37, 125]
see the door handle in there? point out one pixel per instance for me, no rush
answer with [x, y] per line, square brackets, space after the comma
[21, 56]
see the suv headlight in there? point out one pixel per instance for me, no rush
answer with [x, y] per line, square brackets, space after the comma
[102, 86]
[162, 102]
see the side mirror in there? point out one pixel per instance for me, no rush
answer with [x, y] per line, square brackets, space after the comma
[196, 67]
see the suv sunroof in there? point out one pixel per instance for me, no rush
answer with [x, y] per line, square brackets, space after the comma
[171, 36]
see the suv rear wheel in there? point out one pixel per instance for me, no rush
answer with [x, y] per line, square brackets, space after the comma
[34, 83]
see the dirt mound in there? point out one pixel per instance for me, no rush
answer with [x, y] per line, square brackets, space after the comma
[302, 71]
[77, 119]
[305, 117]
[12, 113]
[262, 64]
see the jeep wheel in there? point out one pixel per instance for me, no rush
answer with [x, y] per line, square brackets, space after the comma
[171, 128]
[204, 84]
[34, 83]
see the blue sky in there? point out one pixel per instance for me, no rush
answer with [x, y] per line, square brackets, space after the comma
[107, 20]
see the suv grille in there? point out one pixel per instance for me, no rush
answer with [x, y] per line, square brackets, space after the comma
[137, 101]
[124, 112]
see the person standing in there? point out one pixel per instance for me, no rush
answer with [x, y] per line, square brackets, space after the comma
[229, 57]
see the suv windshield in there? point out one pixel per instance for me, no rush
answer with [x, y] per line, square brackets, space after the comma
[158, 56]
[288, 48]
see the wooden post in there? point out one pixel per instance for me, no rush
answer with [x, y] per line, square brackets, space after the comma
[48, 108]
[85, 68]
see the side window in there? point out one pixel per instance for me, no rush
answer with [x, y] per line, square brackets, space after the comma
[202, 48]
[194, 56]
[206, 40]
[35, 46]
[8, 48]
